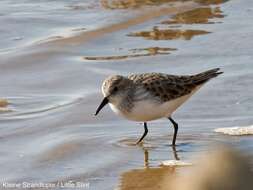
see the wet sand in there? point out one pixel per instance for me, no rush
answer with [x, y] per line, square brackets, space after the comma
[51, 78]
[223, 169]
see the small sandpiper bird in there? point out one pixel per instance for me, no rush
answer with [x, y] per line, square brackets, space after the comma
[150, 96]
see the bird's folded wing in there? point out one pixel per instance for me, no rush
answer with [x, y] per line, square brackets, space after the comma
[166, 87]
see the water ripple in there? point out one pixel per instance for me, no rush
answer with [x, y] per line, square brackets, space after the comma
[33, 106]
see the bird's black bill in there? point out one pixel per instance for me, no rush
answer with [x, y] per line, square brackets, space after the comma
[103, 103]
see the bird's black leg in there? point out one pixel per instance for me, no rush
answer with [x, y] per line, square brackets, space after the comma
[175, 131]
[144, 134]
[175, 153]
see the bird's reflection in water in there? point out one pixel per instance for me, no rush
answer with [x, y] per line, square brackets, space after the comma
[146, 155]
[146, 158]
[149, 177]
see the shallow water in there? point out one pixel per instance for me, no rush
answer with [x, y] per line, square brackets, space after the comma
[54, 56]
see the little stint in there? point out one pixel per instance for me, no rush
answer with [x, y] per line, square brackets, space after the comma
[151, 96]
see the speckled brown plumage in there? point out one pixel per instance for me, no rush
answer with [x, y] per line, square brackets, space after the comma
[168, 87]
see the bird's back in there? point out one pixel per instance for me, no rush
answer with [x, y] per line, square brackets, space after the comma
[168, 87]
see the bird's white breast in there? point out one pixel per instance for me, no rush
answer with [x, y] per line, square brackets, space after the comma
[149, 109]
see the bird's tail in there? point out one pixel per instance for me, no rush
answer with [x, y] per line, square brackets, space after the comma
[205, 76]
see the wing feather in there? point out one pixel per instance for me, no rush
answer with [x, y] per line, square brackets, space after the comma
[166, 87]
[169, 87]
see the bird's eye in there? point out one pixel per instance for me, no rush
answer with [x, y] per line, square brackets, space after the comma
[115, 89]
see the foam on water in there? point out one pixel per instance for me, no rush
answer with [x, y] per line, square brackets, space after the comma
[173, 163]
[236, 131]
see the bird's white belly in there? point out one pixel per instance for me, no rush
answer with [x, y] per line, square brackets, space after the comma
[147, 110]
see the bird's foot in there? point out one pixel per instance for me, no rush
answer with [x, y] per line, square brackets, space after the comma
[139, 143]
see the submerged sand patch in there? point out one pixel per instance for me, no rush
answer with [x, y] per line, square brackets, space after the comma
[150, 51]
[3, 102]
[168, 34]
[3, 105]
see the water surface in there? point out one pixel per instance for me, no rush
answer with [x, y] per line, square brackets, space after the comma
[55, 55]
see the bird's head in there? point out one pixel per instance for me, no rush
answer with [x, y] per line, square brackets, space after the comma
[115, 88]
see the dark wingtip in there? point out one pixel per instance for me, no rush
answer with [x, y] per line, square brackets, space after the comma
[218, 73]
[215, 70]
[206, 75]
